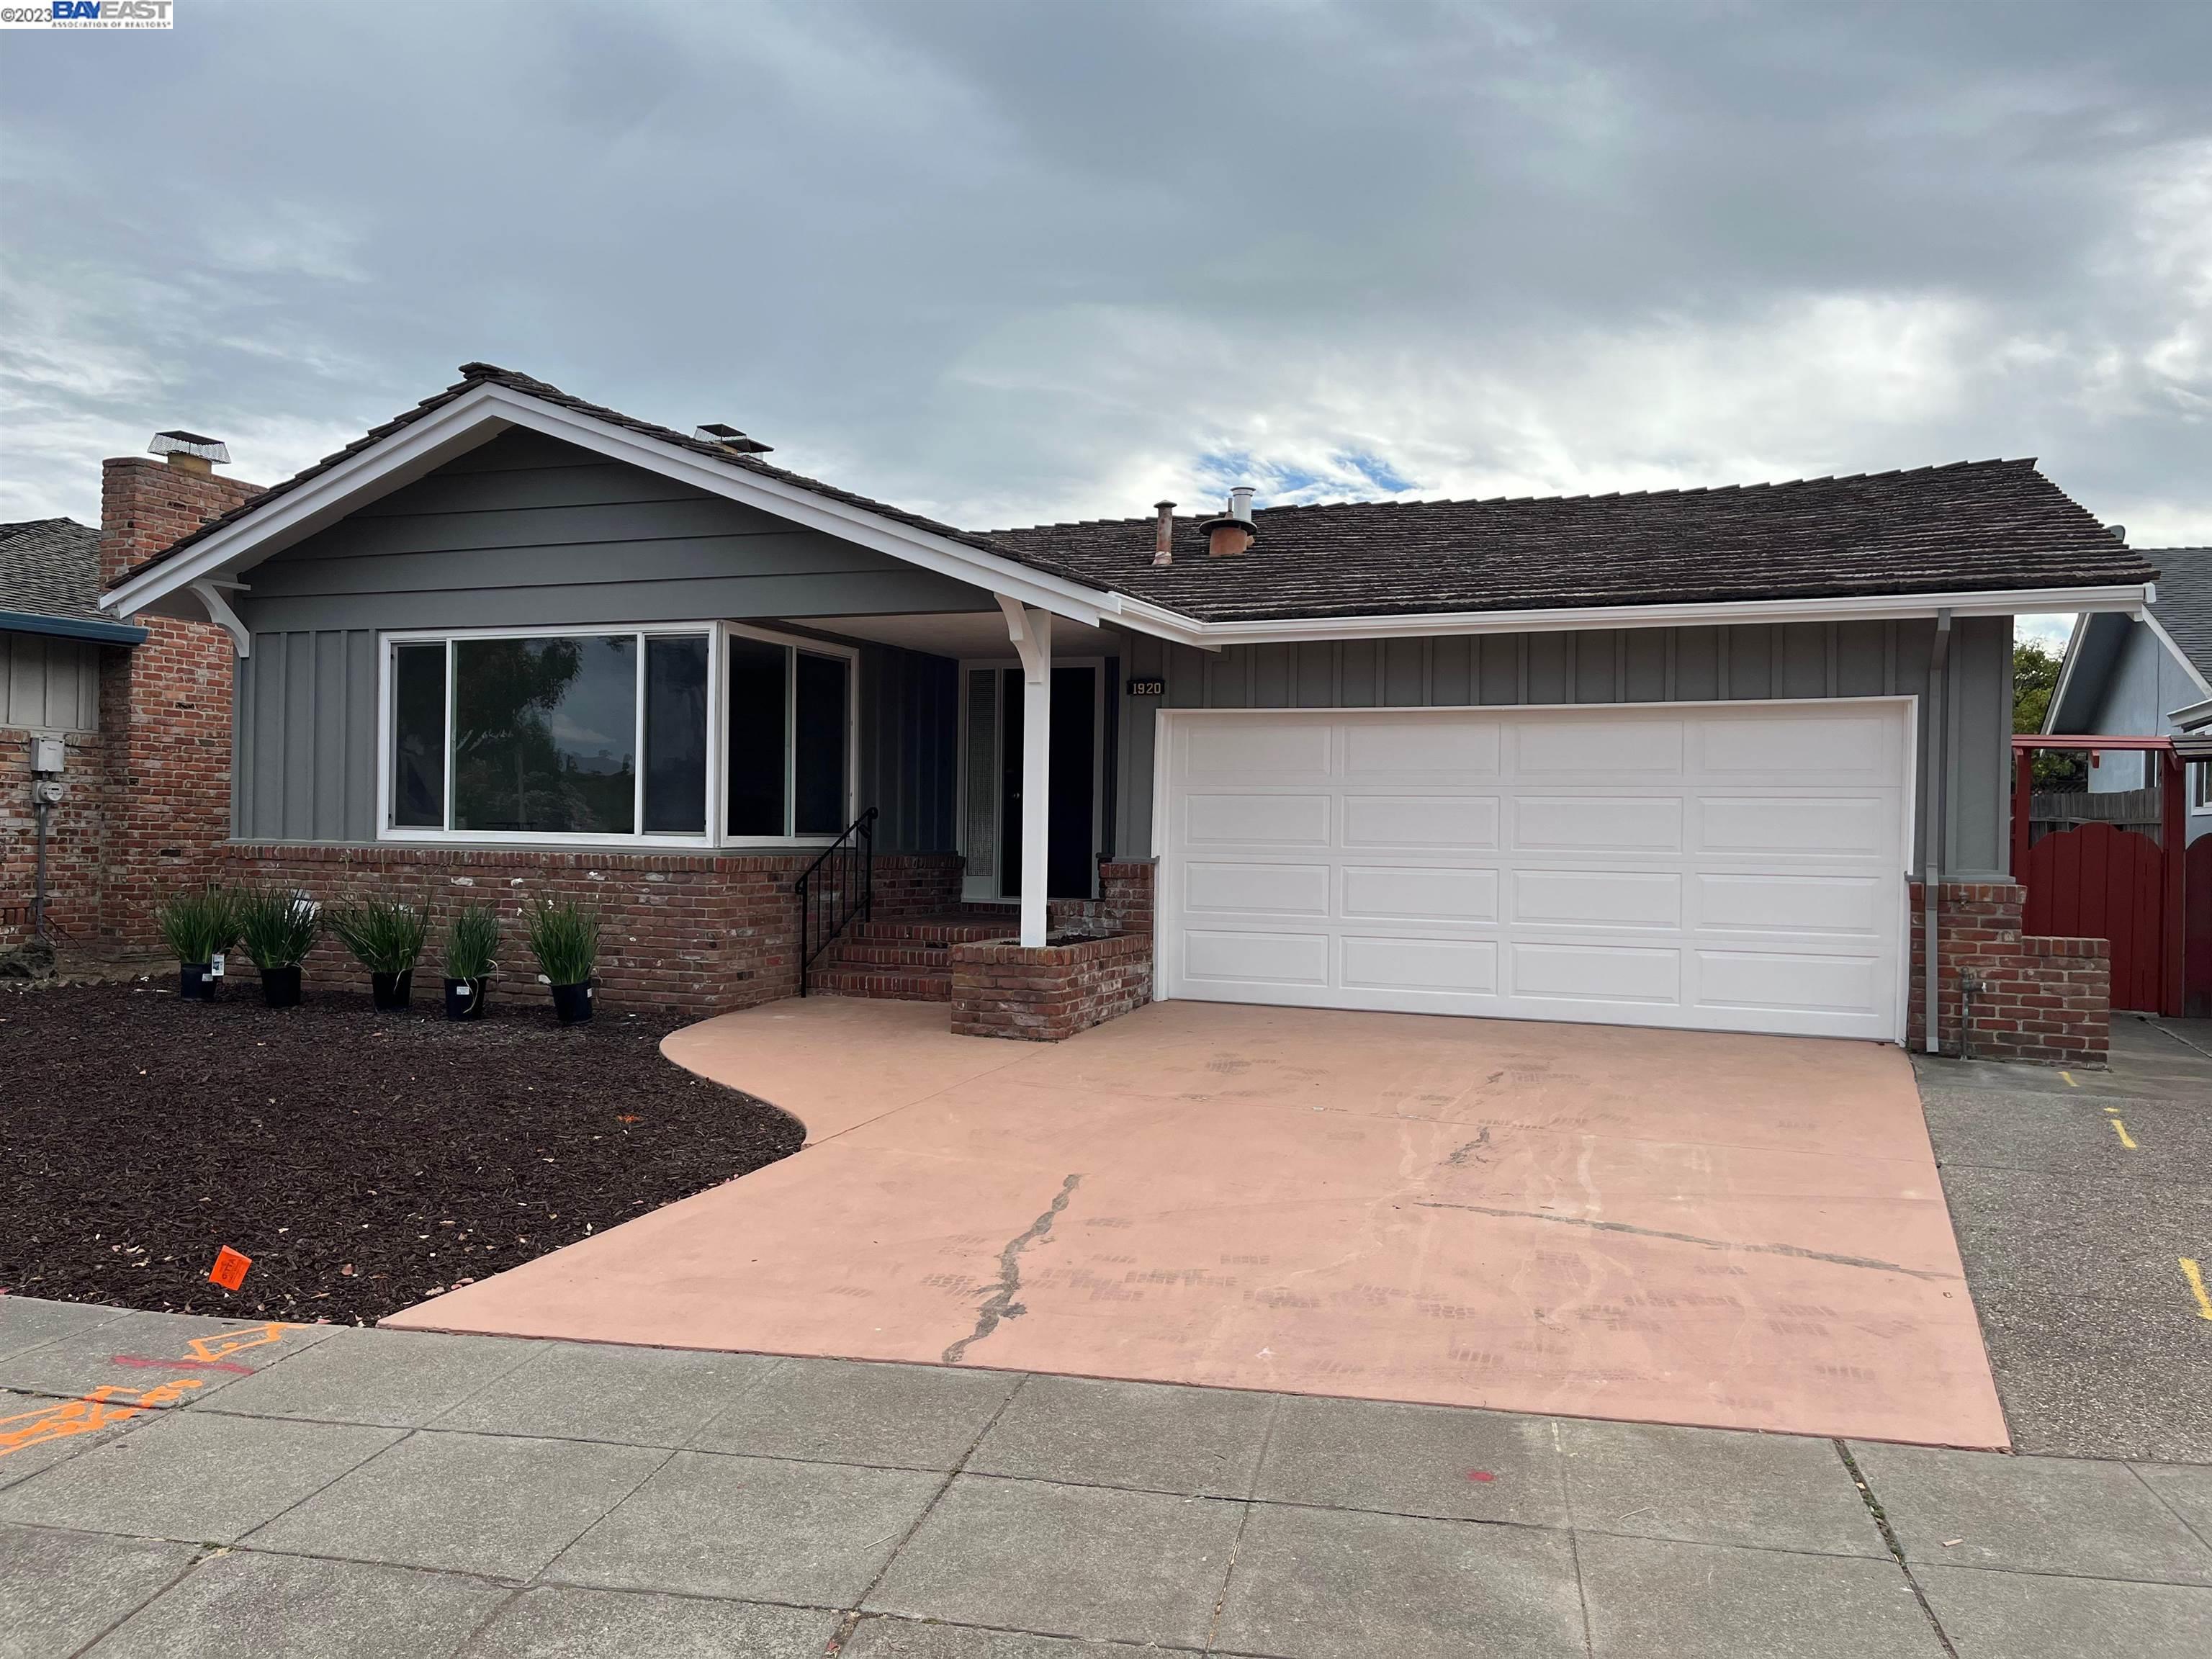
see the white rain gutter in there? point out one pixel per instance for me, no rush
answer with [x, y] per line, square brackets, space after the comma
[1148, 617]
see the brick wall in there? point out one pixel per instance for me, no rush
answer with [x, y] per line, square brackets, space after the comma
[2045, 1000]
[1051, 992]
[700, 933]
[74, 852]
[165, 708]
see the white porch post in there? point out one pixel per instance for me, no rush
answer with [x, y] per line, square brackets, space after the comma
[1030, 629]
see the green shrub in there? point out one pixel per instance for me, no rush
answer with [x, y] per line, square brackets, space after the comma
[278, 925]
[199, 923]
[385, 935]
[565, 939]
[472, 942]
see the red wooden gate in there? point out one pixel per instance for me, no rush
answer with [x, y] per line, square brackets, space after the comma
[2196, 968]
[2099, 882]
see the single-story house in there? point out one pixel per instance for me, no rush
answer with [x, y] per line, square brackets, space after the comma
[1699, 758]
[2146, 676]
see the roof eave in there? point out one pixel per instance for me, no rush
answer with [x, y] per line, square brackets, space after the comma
[71, 628]
[2129, 597]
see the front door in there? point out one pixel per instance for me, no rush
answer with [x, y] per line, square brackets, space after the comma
[1074, 781]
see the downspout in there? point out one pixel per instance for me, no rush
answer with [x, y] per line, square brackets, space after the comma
[1939, 700]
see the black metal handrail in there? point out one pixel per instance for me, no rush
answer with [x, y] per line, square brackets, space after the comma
[836, 887]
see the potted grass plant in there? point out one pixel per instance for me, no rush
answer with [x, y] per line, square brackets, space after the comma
[471, 945]
[278, 926]
[385, 936]
[564, 937]
[199, 924]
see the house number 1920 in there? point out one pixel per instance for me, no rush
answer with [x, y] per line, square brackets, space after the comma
[1148, 688]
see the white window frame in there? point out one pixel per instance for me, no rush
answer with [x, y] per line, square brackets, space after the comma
[2200, 785]
[794, 643]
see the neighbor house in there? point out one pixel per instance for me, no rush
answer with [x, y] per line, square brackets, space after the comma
[2146, 676]
[1679, 758]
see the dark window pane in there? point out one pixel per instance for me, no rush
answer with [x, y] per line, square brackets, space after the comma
[545, 735]
[818, 748]
[756, 727]
[418, 737]
[676, 735]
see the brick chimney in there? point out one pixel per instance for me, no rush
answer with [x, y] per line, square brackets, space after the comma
[165, 707]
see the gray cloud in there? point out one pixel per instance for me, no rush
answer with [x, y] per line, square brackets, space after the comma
[1008, 264]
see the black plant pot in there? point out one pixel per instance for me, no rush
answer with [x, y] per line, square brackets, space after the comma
[465, 997]
[280, 987]
[196, 982]
[391, 991]
[572, 1004]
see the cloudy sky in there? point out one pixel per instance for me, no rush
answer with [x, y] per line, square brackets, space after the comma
[1007, 264]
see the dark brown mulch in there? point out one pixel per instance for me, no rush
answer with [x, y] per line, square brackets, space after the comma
[364, 1160]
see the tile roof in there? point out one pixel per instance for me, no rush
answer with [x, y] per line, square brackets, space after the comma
[1970, 526]
[51, 567]
[2184, 608]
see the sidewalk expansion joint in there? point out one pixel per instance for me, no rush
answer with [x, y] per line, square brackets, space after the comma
[1896, 1549]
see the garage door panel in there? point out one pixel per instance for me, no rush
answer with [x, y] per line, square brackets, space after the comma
[1600, 898]
[1597, 973]
[1603, 749]
[1211, 886]
[1255, 820]
[1855, 905]
[1736, 868]
[1424, 747]
[1458, 822]
[1597, 824]
[1255, 957]
[1464, 966]
[1779, 980]
[1859, 748]
[1417, 893]
[1796, 825]
[1291, 751]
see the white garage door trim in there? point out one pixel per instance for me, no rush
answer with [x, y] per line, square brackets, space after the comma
[1614, 863]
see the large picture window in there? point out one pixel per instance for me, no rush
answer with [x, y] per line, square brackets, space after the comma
[613, 734]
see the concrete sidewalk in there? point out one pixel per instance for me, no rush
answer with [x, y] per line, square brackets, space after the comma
[173, 1487]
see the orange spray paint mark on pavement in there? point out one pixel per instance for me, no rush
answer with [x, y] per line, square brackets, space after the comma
[68, 1418]
[229, 1269]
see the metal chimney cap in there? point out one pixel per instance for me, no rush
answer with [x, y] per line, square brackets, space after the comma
[1240, 503]
[189, 443]
[730, 438]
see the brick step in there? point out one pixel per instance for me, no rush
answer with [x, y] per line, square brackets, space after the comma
[888, 985]
[941, 930]
[849, 952]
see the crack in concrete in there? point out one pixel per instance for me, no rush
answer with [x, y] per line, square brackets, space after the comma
[1693, 1238]
[1002, 1303]
[1461, 1153]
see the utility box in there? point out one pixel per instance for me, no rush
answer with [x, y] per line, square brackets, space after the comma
[46, 754]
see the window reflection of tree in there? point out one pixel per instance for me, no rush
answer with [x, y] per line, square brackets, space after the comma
[510, 772]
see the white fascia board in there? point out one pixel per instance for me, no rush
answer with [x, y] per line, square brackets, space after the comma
[2179, 655]
[2066, 665]
[2193, 718]
[487, 409]
[1169, 624]
[449, 431]
[848, 522]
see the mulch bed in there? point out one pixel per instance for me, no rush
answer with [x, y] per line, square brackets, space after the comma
[364, 1160]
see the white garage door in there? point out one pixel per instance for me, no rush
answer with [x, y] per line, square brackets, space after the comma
[1724, 867]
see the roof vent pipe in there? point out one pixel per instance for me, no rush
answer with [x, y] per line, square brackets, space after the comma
[1163, 533]
[716, 432]
[1240, 503]
[2118, 532]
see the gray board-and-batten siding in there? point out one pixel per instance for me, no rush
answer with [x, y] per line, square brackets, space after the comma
[1641, 664]
[528, 532]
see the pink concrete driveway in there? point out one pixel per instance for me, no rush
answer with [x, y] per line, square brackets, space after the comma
[1736, 1231]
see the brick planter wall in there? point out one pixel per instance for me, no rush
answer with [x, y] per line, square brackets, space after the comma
[1049, 993]
[701, 933]
[2045, 1000]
